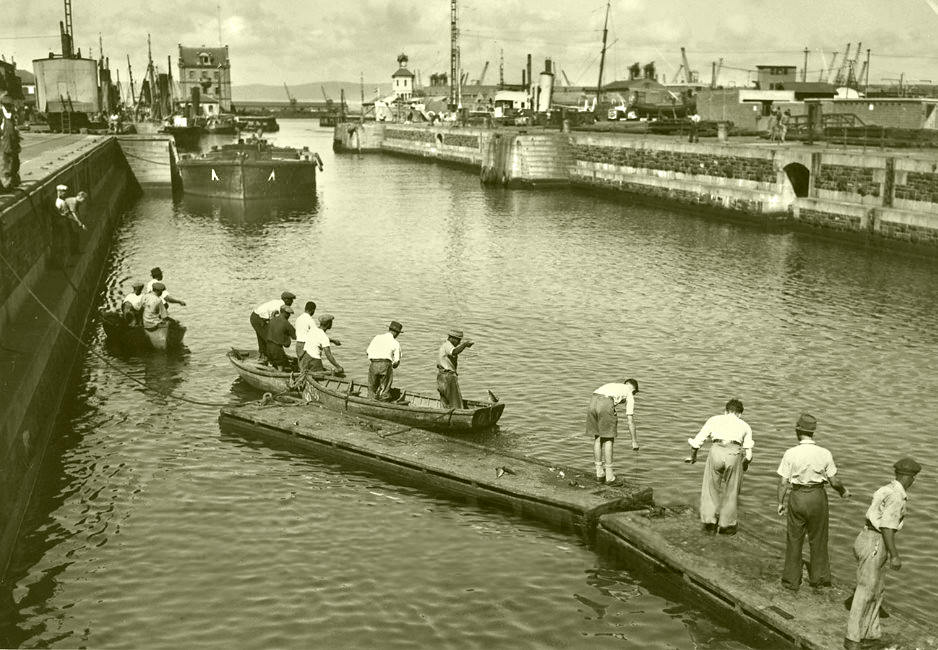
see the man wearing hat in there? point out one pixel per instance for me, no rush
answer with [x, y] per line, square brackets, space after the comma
[316, 345]
[280, 335]
[156, 275]
[447, 381]
[9, 146]
[384, 353]
[874, 547]
[154, 309]
[132, 305]
[804, 471]
[260, 318]
[69, 212]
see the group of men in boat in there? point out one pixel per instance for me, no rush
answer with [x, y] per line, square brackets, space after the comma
[147, 306]
[803, 474]
[271, 324]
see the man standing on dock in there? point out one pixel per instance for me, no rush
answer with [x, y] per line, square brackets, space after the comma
[804, 471]
[447, 358]
[280, 335]
[384, 353]
[9, 145]
[260, 318]
[602, 422]
[730, 455]
[874, 547]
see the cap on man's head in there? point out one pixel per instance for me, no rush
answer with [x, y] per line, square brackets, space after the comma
[159, 286]
[396, 327]
[907, 466]
[61, 188]
[287, 295]
[326, 318]
[456, 334]
[806, 423]
[5, 98]
[287, 309]
[138, 283]
[155, 271]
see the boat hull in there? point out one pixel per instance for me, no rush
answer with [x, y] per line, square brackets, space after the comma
[263, 378]
[248, 179]
[166, 337]
[410, 409]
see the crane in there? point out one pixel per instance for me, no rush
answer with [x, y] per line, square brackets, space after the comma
[830, 70]
[485, 69]
[290, 97]
[688, 75]
[566, 79]
[716, 72]
[839, 79]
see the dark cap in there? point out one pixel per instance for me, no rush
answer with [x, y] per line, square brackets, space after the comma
[159, 286]
[806, 423]
[396, 327]
[138, 283]
[287, 295]
[907, 465]
[156, 270]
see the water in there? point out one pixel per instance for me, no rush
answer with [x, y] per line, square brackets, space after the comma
[150, 527]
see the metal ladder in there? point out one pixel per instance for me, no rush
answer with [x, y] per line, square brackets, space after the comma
[67, 110]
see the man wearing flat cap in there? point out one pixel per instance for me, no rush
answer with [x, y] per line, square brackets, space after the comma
[154, 309]
[874, 547]
[156, 275]
[447, 358]
[132, 305]
[317, 346]
[260, 318]
[9, 146]
[384, 355]
[804, 472]
[280, 335]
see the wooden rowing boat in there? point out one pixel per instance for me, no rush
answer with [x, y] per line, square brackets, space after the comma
[167, 336]
[258, 375]
[413, 409]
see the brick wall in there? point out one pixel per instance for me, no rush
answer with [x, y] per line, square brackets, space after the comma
[692, 163]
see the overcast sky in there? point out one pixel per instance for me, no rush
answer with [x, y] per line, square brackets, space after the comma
[278, 40]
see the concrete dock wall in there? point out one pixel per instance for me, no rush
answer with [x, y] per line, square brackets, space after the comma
[38, 354]
[881, 196]
[152, 159]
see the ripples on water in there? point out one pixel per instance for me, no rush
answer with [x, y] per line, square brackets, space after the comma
[151, 528]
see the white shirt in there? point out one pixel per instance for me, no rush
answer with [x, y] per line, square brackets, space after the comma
[135, 300]
[807, 463]
[728, 427]
[619, 393]
[304, 323]
[62, 207]
[149, 288]
[888, 507]
[444, 358]
[316, 341]
[269, 308]
[384, 346]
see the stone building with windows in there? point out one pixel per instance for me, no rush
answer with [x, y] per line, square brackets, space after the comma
[209, 70]
[402, 81]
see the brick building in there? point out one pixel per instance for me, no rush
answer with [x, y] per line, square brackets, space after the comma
[209, 70]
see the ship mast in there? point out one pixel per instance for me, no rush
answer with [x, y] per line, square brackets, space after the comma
[454, 82]
[602, 56]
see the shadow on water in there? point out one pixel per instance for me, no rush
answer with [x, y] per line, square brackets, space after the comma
[249, 214]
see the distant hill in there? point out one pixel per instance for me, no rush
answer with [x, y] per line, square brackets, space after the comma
[308, 92]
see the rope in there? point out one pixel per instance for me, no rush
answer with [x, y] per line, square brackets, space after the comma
[108, 362]
[154, 162]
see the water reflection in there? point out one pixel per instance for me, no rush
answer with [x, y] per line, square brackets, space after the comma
[248, 215]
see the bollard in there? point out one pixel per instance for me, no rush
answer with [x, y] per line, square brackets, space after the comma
[722, 131]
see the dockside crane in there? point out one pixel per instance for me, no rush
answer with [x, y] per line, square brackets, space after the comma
[839, 79]
[133, 92]
[566, 79]
[290, 98]
[689, 76]
[481, 78]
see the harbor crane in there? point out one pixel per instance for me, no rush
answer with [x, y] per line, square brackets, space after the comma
[290, 97]
[839, 78]
[566, 79]
[481, 79]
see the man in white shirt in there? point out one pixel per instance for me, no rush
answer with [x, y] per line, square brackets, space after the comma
[72, 222]
[804, 471]
[873, 548]
[317, 345]
[730, 455]
[156, 275]
[304, 323]
[602, 422]
[132, 305]
[384, 353]
[260, 318]
[447, 358]
[154, 310]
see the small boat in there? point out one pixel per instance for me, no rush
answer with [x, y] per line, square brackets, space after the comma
[413, 409]
[261, 377]
[221, 125]
[250, 170]
[253, 122]
[167, 336]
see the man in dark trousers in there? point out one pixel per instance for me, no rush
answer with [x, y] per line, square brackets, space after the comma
[280, 335]
[260, 318]
[9, 146]
[447, 358]
[804, 471]
[874, 548]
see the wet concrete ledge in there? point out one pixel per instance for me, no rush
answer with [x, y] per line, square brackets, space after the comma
[37, 355]
[736, 578]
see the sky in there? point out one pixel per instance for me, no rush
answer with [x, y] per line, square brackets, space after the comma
[279, 41]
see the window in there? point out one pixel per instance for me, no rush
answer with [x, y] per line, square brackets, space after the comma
[192, 74]
[205, 58]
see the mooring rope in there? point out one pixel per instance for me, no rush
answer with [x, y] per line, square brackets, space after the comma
[108, 362]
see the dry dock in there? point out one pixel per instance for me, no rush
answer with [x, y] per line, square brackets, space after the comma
[736, 578]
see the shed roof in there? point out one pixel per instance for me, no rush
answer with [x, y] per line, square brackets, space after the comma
[403, 72]
[189, 56]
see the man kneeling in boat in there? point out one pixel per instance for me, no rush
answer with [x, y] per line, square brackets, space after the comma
[154, 309]
[132, 306]
[315, 346]
[280, 334]
[447, 381]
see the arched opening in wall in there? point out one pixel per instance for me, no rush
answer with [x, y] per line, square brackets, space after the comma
[439, 138]
[799, 177]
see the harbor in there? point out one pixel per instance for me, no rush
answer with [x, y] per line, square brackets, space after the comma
[176, 473]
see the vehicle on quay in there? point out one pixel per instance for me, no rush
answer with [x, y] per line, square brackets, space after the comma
[250, 169]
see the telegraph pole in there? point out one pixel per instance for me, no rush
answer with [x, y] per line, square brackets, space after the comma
[804, 70]
[453, 57]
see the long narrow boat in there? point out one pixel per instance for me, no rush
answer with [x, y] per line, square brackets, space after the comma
[167, 336]
[261, 377]
[414, 409]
